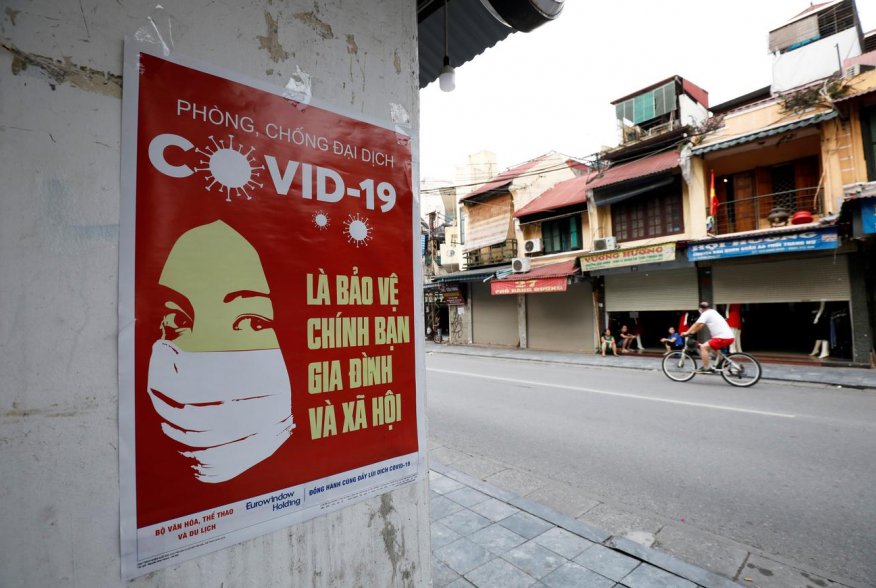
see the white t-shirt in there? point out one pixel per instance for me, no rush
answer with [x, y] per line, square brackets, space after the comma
[718, 327]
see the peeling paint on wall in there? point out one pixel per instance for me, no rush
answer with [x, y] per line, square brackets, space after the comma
[323, 29]
[59, 72]
[271, 41]
[352, 47]
[12, 14]
[396, 62]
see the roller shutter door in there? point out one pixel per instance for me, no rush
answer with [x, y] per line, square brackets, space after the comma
[654, 290]
[494, 318]
[561, 321]
[796, 280]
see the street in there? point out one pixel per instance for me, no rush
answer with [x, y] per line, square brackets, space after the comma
[730, 479]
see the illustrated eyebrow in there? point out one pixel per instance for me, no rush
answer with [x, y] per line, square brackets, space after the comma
[244, 294]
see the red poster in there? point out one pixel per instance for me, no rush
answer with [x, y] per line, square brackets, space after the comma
[267, 360]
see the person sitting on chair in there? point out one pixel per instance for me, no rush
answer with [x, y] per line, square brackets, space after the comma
[720, 331]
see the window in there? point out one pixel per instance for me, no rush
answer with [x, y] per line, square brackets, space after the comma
[868, 120]
[648, 216]
[562, 234]
[648, 105]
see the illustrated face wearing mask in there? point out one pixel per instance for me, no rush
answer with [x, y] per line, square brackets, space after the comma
[217, 378]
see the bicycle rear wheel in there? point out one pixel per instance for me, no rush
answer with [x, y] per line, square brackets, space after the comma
[741, 369]
[679, 366]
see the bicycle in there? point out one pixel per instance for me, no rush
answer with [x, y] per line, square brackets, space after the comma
[737, 369]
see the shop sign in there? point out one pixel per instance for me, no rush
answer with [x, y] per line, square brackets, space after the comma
[453, 296]
[267, 311]
[809, 241]
[625, 257]
[868, 215]
[533, 286]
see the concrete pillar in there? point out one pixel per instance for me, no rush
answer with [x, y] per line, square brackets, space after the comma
[60, 116]
[521, 320]
[862, 333]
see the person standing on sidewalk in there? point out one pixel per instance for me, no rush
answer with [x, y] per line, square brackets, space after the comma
[719, 330]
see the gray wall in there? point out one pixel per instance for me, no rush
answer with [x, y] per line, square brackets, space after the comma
[561, 321]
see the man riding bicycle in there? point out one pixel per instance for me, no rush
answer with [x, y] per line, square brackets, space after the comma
[722, 335]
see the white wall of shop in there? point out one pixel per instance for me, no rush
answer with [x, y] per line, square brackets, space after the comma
[60, 116]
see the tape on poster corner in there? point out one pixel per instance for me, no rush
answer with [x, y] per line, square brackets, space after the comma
[160, 29]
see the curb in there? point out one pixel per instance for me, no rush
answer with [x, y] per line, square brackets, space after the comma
[658, 559]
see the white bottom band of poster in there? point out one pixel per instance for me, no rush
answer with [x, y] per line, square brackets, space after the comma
[177, 540]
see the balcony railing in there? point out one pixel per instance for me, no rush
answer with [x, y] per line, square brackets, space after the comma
[496, 254]
[766, 211]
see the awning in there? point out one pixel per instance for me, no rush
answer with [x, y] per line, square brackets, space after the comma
[640, 168]
[553, 270]
[566, 193]
[766, 132]
[473, 275]
[539, 280]
[619, 195]
[488, 231]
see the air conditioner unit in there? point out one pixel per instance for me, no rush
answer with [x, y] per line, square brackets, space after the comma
[605, 244]
[532, 246]
[521, 265]
[857, 69]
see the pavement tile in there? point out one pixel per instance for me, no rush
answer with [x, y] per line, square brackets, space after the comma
[498, 573]
[442, 535]
[466, 496]
[465, 522]
[564, 498]
[563, 542]
[534, 559]
[462, 556]
[621, 522]
[442, 575]
[461, 583]
[440, 507]
[433, 475]
[525, 524]
[493, 509]
[497, 539]
[571, 575]
[443, 485]
[647, 576]
[607, 562]
[521, 483]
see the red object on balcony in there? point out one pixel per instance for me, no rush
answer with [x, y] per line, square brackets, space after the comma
[801, 217]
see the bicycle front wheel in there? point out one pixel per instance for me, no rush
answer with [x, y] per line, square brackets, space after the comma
[741, 369]
[679, 366]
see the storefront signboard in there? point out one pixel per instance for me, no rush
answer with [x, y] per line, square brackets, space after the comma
[267, 268]
[627, 257]
[453, 296]
[806, 241]
[533, 286]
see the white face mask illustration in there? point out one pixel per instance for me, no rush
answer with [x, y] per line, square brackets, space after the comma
[231, 409]
[217, 378]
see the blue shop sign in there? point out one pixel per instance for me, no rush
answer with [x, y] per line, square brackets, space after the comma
[808, 241]
[868, 215]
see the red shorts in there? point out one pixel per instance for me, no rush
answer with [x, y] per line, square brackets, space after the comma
[717, 343]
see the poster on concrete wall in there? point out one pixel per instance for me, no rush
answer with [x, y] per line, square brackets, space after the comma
[267, 361]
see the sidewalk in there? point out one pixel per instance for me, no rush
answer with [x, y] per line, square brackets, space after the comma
[486, 537]
[832, 376]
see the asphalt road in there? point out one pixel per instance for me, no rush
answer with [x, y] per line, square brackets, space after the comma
[787, 469]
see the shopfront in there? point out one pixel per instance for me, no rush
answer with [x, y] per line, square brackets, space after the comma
[554, 307]
[792, 289]
[648, 289]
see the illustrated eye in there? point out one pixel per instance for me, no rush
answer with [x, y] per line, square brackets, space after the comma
[252, 322]
[174, 322]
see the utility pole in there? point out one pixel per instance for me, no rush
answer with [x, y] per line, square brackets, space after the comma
[431, 272]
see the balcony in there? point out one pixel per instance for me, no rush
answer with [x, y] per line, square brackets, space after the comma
[768, 211]
[499, 253]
